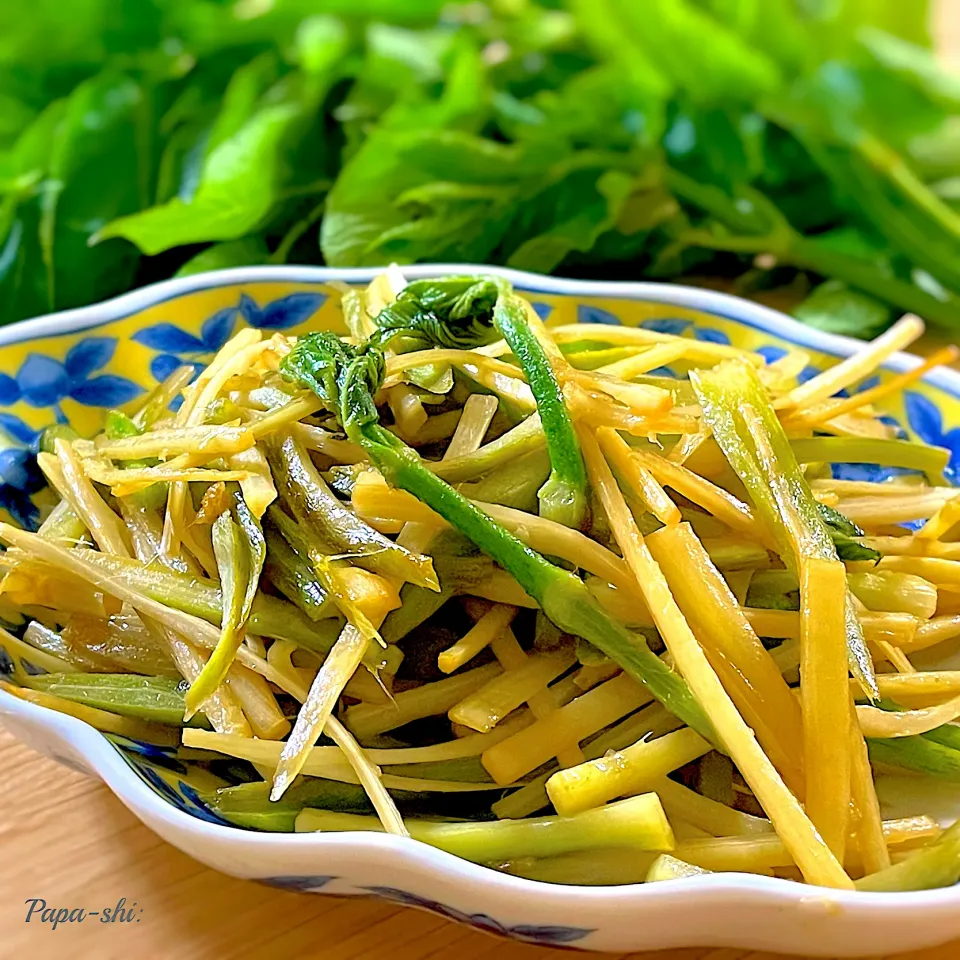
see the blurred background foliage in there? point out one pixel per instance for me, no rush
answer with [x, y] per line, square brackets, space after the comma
[807, 142]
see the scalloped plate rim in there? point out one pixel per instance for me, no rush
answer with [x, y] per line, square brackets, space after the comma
[725, 305]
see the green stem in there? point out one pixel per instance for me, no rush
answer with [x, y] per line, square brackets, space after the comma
[937, 865]
[888, 453]
[562, 596]
[563, 497]
[637, 823]
[158, 699]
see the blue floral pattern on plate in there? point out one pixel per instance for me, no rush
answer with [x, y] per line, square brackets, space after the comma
[178, 347]
[926, 421]
[551, 936]
[43, 382]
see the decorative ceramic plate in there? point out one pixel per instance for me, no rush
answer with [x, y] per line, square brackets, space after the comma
[72, 366]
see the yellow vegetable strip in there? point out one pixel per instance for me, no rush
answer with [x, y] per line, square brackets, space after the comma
[266, 753]
[715, 818]
[688, 445]
[124, 482]
[624, 772]
[723, 505]
[906, 723]
[500, 587]
[894, 385]
[943, 573]
[935, 683]
[813, 856]
[643, 399]
[543, 705]
[897, 628]
[638, 477]
[259, 704]
[652, 721]
[66, 475]
[932, 632]
[597, 409]
[207, 440]
[648, 359]
[746, 669]
[825, 697]
[256, 480]
[407, 409]
[281, 418]
[339, 666]
[478, 413]
[492, 624]
[567, 727]
[17, 648]
[369, 777]
[766, 852]
[882, 511]
[941, 522]
[868, 823]
[368, 720]
[484, 708]
[630, 336]
[336, 448]
[897, 657]
[437, 428]
[856, 488]
[855, 367]
[912, 547]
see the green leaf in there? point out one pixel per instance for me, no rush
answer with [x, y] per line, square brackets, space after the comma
[240, 99]
[397, 199]
[835, 308]
[842, 531]
[245, 252]
[237, 190]
[701, 55]
[594, 206]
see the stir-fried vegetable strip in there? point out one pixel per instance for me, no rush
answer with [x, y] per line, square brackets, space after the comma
[747, 430]
[489, 567]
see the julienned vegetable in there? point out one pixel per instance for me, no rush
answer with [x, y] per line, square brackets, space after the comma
[487, 567]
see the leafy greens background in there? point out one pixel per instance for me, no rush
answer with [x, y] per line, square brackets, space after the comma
[602, 138]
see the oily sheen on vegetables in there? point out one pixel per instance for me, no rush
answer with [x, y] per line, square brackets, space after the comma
[507, 589]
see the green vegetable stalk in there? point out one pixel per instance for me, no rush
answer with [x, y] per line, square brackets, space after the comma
[564, 496]
[922, 754]
[290, 573]
[346, 378]
[332, 529]
[240, 550]
[637, 823]
[158, 699]
[888, 453]
[269, 617]
[465, 312]
[937, 865]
